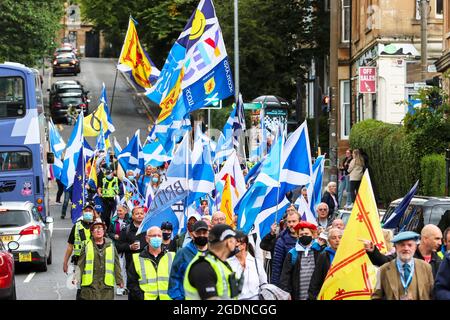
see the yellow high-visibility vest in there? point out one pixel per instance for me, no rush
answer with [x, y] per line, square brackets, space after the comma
[154, 283]
[79, 243]
[88, 273]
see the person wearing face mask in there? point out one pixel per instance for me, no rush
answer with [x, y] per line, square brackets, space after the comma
[79, 235]
[184, 238]
[210, 277]
[155, 182]
[167, 244]
[148, 273]
[184, 256]
[131, 176]
[109, 188]
[299, 264]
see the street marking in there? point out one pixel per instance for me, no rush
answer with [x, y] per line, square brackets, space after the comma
[30, 276]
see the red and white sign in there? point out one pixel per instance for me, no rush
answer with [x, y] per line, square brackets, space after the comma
[367, 79]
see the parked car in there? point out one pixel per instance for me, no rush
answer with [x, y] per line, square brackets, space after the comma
[69, 86]
[421, 211]
[61, 103]
[7, 270]
[22, 222]
[344, 214]
[66, 63]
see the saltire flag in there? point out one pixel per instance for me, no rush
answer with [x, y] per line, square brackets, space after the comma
[103, 97]
[57, 146]
[135, 61]
[253, 173]
[171, 191]
[223, 150]
[154, 154]
[117, 147]
[305, 211]
[296, 170]
[131, 195]
[238, 122]
[394, 219]
[352, 275]
[78, 191]
[250, 204]
[88, 152]
[101, 143]
[202, 171]
[131, 157]
[232, 168]
[73, 150]
[315, 187]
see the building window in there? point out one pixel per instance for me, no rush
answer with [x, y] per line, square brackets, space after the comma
[345, 108]
[345, 20]
[439, 9]
[418, 9]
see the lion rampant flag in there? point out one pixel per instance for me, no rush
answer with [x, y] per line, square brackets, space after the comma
[352, 276]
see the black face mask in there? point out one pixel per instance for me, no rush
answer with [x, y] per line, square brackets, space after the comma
[166, 236]
[234, 252]
[201, 241]
[305, 240]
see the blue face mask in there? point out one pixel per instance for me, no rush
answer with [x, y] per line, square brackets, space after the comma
[131, 178]
[109, 176]
[155, 180]
[155, 242]
[88, 216]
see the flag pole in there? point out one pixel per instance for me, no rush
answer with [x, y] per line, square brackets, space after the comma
[279, 177]
[114, 90]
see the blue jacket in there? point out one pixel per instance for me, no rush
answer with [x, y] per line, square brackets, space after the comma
[182, 259]
[442, 283]
[285, 242]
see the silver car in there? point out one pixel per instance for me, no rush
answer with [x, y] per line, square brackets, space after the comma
[21, 222]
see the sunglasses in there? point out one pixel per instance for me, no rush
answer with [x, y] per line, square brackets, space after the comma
[322, 209]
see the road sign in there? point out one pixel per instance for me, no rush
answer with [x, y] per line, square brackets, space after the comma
[214, 106]
[367, 79]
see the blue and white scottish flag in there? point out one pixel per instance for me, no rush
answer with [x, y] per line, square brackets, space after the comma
[73, 150]
[57, 146]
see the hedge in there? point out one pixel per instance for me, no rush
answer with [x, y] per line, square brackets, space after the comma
[432, 171]
[392, 162]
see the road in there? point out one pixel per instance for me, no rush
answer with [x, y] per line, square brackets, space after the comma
[128, 116]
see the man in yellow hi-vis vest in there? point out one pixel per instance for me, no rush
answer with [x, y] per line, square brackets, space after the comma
[149, 270]
[99, 266]
[210, 276]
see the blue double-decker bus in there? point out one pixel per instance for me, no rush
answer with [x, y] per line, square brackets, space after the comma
[23, 137]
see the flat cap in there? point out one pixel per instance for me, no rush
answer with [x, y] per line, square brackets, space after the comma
[406, 235]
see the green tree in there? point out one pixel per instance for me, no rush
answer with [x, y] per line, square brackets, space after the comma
[28, 29]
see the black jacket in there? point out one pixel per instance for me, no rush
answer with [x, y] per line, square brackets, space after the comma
[128, 237]
[378, 259]
[444, 223]
[323, 264]
[268, 243]
[330, 202]
[290, 274]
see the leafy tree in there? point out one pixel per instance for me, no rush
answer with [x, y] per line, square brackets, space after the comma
[28, 29]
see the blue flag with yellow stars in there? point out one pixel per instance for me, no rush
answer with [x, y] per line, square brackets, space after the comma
[78, 189]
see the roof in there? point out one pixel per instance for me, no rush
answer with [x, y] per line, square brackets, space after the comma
[16, 205]
[424, 200]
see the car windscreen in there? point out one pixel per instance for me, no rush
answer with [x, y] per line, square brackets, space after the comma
[71, 100]
[436, 213]
[12, 97]
[71, 90]
[64, 59]
[14, 218]
[15, 160]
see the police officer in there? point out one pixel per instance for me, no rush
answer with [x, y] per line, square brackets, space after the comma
[210, 276]
[149, 270]
[78, 237]
[108, 190]
[99, 266]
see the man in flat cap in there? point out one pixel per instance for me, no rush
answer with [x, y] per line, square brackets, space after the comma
[405, 277]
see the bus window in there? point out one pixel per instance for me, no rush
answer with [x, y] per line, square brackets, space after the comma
[15, 160]
[12, 98]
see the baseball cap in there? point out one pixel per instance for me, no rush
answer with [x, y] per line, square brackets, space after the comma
[221, 232]
[98, 221]
[89, 205]
[200, 225]
[166, 225]
[195, 215]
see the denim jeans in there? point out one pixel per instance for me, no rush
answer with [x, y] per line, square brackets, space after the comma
[65, 203]
[344, 184]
